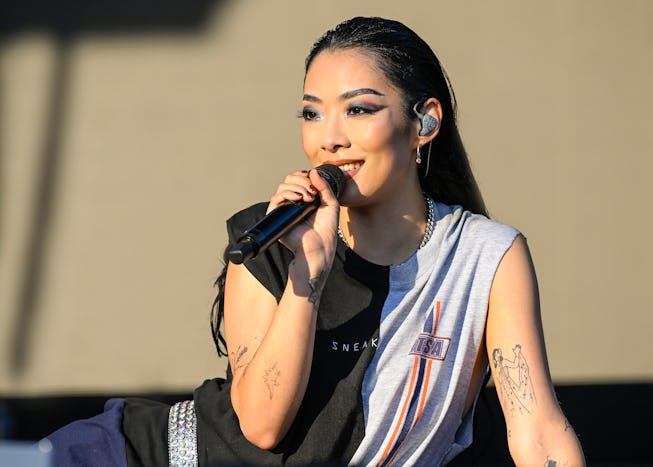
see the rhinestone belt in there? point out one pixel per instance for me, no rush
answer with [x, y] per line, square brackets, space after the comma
[182, 435]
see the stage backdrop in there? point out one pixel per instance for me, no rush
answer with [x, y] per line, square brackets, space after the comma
[126, 144]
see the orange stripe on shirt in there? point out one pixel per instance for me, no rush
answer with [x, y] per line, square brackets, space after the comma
[428, 368]
[410, 394]
[422, 399]
[437, 316]
[421, 403]
[400, 421]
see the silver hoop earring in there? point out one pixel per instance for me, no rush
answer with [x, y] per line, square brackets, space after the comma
[418, 159]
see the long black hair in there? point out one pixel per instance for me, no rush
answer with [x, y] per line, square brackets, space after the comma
[412, 67]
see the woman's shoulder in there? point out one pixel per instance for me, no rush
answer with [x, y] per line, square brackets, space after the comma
[476, 228]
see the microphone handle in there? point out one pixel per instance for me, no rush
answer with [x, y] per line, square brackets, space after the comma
[270, 228]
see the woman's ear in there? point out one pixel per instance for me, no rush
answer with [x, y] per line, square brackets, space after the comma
[429, 115]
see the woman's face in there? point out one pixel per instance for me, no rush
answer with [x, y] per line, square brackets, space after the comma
[354, 118]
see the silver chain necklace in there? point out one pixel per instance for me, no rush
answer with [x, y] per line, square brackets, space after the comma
[430, 223]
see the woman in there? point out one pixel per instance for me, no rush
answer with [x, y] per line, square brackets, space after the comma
[363, 336]
[378, 105]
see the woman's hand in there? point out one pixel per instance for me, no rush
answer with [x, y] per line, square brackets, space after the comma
[313, 241]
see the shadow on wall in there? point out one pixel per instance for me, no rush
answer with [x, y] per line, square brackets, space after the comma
[66, 22]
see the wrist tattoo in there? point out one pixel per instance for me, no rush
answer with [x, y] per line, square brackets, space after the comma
[316, 284]
[553, 463]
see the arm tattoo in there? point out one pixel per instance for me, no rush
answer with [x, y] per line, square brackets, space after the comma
[271, 379]
[553, 463]
[316, 284]
[514, 381]
[236, 357]
[567, 425]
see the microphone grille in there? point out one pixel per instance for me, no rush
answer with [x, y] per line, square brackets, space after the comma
[333, 176]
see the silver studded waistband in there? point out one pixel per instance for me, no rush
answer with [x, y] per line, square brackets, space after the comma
[182, 435]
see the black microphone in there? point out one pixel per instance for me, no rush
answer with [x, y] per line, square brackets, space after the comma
[283, 218]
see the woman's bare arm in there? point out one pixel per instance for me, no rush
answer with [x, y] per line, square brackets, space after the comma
[270, 345]
[538, 432]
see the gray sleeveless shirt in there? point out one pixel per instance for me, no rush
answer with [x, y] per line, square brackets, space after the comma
[432, 324]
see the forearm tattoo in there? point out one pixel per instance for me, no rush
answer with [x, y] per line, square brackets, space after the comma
[271, 379]
[513, 381]
[236, 358]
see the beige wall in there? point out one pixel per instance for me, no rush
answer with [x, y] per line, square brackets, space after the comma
[163, 136]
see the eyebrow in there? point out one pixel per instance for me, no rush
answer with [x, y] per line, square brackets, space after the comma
[345, 95]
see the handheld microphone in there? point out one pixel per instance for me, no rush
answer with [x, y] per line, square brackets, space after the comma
[280, 220]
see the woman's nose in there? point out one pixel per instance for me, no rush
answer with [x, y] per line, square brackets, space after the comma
[335, 135]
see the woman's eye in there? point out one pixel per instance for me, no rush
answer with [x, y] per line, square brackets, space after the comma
[309, 115]
[357, 110]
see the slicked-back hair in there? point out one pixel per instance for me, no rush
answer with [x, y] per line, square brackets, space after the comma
[412, 67]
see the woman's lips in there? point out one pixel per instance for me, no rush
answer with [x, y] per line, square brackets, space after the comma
[350, 169]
